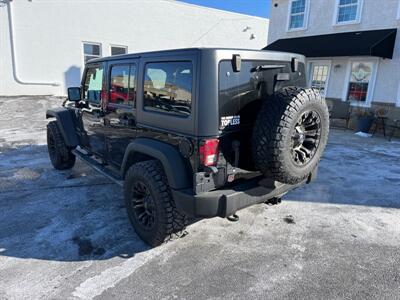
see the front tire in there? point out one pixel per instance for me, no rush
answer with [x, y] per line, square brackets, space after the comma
[60, 154]
[149, 204]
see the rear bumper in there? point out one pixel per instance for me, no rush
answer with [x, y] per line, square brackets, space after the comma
[225, 202]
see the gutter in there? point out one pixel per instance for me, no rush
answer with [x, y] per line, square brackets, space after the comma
[13, 52]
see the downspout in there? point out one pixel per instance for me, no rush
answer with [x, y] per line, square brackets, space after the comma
[13, 53]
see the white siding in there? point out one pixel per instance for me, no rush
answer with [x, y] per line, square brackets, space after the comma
[49, 35]
[374, 15]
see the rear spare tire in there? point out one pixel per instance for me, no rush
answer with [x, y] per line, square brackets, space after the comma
[290, 134]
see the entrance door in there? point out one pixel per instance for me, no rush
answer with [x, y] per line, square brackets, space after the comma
[319, 75]
[92, 114]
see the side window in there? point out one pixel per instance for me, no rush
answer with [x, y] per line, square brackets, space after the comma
[93, 84]
[348, 11]
[123, 84]
[168, 87]
[398, 11]
[117, 50]
[298, 14]
[91, 50]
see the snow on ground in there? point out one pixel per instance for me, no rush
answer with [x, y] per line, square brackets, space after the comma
[357, 170]
[66, 234]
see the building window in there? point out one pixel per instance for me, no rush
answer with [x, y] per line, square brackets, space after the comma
[90, 51]
[348, 11]
[123, 84]
[117, 50]
[360, 80]
[398, 11]
[319, 76]
[398, 96]
[93, 84]
[168, 88]
[298, 14]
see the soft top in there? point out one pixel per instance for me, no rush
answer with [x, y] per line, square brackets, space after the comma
[182, 51]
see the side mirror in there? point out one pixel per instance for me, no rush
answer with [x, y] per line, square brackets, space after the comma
[74, 94]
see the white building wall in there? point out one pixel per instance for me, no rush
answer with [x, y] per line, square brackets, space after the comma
[375, 14]
[48, 35]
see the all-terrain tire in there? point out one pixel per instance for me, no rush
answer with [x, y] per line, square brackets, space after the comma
[276, 134]
[168, 222]
[60, 154]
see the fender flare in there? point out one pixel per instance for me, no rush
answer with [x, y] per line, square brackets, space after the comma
[66, 123]
[174, 166]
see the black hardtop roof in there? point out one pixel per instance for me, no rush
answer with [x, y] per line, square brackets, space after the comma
[175, 52]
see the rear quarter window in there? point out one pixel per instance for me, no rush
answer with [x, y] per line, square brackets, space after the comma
[168, 88]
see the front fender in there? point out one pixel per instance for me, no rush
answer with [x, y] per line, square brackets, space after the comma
[172, 161]
[66, 121]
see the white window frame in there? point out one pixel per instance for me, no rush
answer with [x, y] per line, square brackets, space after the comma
[306, 14]
[398, 96]
[119, 46]
[310, 72]
[371, 83]
[398, 11]
[90, 43]
[360, 4]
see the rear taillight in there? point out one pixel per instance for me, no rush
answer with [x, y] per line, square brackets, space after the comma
[209, 151]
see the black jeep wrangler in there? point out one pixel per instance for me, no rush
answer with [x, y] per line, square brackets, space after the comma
[192, 132]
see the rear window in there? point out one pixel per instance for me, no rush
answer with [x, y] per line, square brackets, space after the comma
[168, 88]
[238, 89]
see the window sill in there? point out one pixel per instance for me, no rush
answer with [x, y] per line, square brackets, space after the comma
[296, 29]
[346, 23]
[359, 104]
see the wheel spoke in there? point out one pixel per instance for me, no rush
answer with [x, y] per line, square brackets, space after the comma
[311, 132]
[301, 155]
[305, 150]
[310, 140]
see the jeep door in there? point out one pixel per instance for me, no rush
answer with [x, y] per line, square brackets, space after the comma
[120, 108]
[93, 114]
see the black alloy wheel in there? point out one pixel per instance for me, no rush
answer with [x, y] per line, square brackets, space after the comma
[150, 205]
[306, 137]
[143, 205]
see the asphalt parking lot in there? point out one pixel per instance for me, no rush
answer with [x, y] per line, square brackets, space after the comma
[66, 234]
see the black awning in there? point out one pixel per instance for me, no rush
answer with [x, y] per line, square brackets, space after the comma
[378, 43]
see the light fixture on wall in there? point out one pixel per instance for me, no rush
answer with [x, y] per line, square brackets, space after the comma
[252, 36]
[246, 28]
[337, 67]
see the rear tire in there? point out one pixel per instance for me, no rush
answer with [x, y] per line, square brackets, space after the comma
[149, 204]
[290, 134]
[60, 154]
